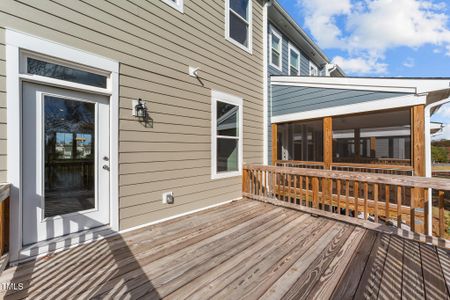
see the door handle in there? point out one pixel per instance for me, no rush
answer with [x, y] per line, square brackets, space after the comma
[105, 167]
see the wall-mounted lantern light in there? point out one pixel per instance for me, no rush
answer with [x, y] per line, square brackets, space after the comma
[140, 109]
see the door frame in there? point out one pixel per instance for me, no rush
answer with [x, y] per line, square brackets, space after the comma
[16, 43]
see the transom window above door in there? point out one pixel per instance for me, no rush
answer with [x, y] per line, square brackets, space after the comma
[62, 72]
[238, 23]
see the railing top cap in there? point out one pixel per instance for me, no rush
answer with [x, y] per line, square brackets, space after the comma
[400, 180]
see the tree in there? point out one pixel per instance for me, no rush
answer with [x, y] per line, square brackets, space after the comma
[439, 154]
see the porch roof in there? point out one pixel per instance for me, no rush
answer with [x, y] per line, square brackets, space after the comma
[305, 97]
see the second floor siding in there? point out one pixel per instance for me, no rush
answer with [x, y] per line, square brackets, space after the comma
[304, 60]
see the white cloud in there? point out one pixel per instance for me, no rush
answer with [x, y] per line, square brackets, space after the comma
[360, 65]
[409, 62]
[366, 29]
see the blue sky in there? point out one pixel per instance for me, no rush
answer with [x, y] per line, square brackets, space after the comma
[407, 38]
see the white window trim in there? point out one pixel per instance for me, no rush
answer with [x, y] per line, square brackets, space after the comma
[294, 49]
[234, 100]
[17, 42]
[273, 31]
[313, 66]
[249, 49]
[178, 4]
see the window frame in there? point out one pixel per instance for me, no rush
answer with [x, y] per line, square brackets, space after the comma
[315, 67]
[217, 96]
[249, 22]
[273, 32]
[177, 4]
[291, 47]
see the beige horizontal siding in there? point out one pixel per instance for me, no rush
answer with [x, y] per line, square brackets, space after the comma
[155, 44]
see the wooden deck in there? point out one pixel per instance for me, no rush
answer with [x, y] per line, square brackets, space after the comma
[245, 249]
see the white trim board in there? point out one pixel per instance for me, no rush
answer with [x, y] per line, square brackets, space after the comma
[265, 84]
[396, 102]
[15, 43]
[237, 101]
[413, 86]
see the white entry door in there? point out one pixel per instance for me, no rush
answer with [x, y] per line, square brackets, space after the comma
[65, 162]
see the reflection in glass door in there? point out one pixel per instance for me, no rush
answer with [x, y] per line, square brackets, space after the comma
[69, 128]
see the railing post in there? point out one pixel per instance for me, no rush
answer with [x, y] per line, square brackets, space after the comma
[274, 143]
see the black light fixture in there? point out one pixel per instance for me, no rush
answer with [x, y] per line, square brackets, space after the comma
[140, 110]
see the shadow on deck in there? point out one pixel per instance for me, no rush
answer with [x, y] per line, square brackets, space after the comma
[245, 249]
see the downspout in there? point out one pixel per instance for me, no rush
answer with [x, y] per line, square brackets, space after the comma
[428, 164]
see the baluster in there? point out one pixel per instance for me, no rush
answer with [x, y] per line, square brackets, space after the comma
[260, 173]
[347, 194]
[387, 191]
[324, 193]
[426, 213]
[308, 202]
[375, 198]
[284, 186]
[274, 185]
[330, 194]
[338, 193]
[289, 188]
[399, 206]
[301, 190]
[366, 196]
[356, 197]
[441, 214]
[295, 189]
[412, 207]
[315, 192]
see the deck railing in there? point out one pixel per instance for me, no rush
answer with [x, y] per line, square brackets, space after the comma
[351, 167]
[4, 217]
[395, 200]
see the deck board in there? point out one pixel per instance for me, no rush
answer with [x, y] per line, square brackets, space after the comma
[245, 249]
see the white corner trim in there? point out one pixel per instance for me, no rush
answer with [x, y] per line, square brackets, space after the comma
[15, 43]
[249, 49]
[375, 105]
[234, 100]
[428, 163]
[413, 86]
[294, 49]
[266, 45]
[177, 4]
[275, 32]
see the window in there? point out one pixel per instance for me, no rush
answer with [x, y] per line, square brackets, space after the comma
[238, 23]
[177, 4]
[276, 43]
[313, 70]
[53, 70]
[294, 61]
[226, 135]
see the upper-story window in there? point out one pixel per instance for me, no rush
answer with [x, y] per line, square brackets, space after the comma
[276, 43]
[238, 23]
[177, 4]
[294, 61]
[313, 70]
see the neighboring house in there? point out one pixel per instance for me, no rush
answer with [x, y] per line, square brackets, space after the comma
[71, 73]
[291, 53]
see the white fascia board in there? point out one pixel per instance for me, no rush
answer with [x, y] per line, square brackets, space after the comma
[413, 86]
[389, 103]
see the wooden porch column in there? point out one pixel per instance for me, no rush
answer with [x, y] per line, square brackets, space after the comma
[373, 147]
[274, 143]
[418, 163]
[418, 139]
[327, 142]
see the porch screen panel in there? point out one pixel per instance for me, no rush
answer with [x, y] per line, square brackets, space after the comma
[301, 141]
[380, 138]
